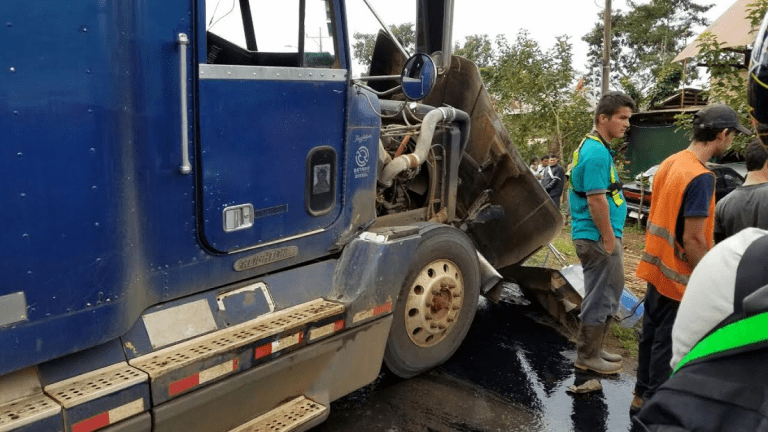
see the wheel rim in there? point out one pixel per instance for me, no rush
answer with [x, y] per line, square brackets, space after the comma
[434, 303]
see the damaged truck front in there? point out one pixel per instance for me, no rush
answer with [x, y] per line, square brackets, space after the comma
[209, 225]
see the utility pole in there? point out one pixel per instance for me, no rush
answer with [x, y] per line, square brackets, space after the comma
[319, 37]
[606, 46]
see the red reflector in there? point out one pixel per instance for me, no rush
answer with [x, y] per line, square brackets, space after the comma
[235, 363]
[263, 351]
[386, 307]
[92, 423]
[183, 384]
[338, 325]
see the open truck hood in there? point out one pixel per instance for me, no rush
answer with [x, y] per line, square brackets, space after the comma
[490, 163]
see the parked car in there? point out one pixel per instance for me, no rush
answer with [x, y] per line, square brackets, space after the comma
[728, 177]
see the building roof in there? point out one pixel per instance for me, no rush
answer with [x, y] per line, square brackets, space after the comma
[687, 97]
[732, 28]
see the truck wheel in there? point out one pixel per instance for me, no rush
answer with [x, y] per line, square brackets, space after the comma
[436, 304]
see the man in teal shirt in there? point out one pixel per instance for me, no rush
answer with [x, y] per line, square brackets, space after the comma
[598, 211]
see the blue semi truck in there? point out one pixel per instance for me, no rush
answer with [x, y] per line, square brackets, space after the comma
[207, 224]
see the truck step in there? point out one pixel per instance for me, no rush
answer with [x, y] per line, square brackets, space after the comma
[101, 397]
[93, 385]
[286, 417]
[26, 411]
[175, 370]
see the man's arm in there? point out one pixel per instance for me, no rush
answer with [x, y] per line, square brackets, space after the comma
[598, 209]
[719, 228]
[695, 210]
[694, 239]
[550, 182]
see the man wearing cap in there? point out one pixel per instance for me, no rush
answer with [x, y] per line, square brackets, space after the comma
[720, 336]
[679, 233]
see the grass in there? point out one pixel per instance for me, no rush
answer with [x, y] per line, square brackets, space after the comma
[634, 228]
[563, 243]
[627, 337]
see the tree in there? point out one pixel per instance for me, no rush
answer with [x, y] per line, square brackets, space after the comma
[728, 80]
[478, 49]
[643, 43]
[362, 49]
[538, 95]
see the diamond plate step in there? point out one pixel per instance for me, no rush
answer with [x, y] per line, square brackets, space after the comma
[208, 346]
[286, 417]
[21, 412]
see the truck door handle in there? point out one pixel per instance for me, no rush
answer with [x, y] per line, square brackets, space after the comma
[183, 41]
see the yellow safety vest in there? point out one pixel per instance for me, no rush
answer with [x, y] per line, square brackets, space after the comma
[614, 190]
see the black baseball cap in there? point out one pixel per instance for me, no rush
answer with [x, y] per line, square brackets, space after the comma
[718, 116]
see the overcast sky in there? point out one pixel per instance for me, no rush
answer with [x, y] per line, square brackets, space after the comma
[544, 19]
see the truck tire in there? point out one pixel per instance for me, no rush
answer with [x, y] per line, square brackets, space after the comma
[436, 304]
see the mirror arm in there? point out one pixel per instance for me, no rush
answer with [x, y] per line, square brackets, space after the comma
[378, 93]
[386, 29]
[379, 78]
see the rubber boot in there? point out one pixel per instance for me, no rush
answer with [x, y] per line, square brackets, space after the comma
[605, 355]
[588, 350]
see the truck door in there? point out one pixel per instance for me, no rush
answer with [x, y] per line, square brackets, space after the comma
[271, 97]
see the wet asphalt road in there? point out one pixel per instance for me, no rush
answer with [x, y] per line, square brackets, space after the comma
[510, 374]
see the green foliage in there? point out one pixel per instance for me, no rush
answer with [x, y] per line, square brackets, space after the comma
[362, 48]
[755, 13]
[643, 43]
[478, 49]
[668, 80]
[728, 79]
[536, 95]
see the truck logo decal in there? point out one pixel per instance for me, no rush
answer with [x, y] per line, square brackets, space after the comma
[361, 158]
[266, 257]
[362, 138]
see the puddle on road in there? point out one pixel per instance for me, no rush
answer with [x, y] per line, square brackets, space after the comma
[511, 374]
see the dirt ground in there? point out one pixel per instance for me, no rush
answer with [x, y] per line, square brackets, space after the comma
[634, 243]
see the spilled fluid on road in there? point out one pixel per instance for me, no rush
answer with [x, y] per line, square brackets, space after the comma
[531, 364]
[510, 374]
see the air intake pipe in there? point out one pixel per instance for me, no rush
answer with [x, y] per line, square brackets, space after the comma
[419, 155]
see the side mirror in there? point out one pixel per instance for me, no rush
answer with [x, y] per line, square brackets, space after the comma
[418, 77]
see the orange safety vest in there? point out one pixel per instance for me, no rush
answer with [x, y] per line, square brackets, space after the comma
[664, 262]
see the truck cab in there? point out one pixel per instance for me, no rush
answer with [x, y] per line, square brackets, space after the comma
[209, 224]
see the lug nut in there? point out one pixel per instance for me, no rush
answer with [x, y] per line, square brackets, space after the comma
[436, 291]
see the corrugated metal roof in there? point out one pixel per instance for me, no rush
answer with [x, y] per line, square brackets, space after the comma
[732, 28]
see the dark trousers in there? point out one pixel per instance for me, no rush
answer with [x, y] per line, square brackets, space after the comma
[655, 348]
[556, 199]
